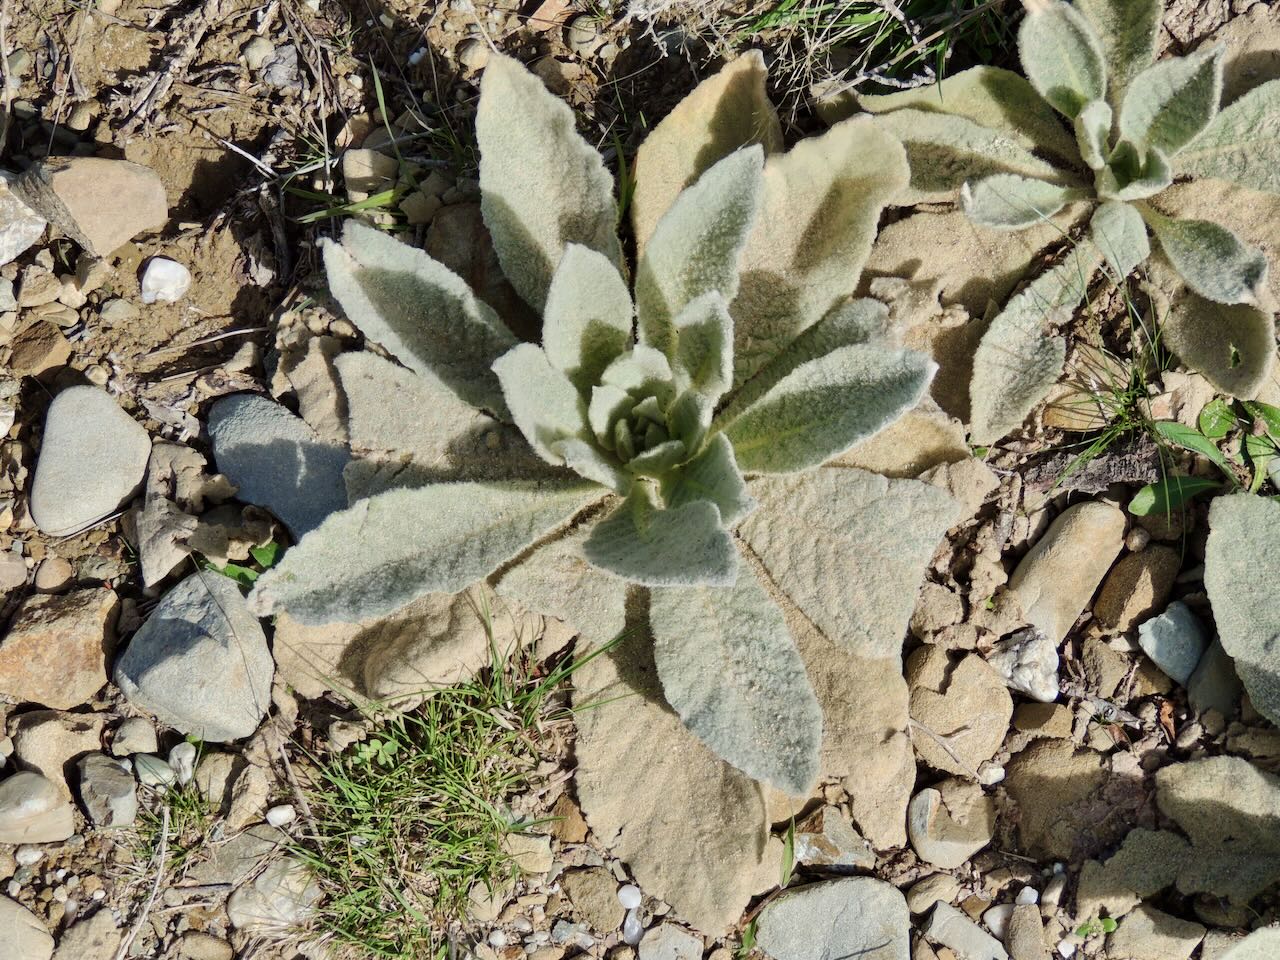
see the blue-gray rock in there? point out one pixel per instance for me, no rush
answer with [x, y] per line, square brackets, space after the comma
[1175, 641]
[1215, 685]
[200, 663]
[107, 792]
[92, 460]
[277, 461]
[854, 917]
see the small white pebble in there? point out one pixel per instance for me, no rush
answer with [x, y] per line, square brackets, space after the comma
[632, 928]
[1026, 896]
[416, 57]
[997, 919]
[60, 874]
[70, 908]
[182, 759]
[26, 855]
[1066, 949]
[523, 924]
[279, 816]
[13, 889]
[497, 938]
[629, 895]
[99, 894]
[164, 280]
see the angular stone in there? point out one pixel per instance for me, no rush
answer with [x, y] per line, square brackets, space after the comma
[93, 459]
[594, 894]
[1024, 936]
[1146, 863]
[940, 887]
[24, 934]
[950, 822]
[1136, 587]
[1043, 719]
[49, 742]
[279, 899]
[530, 852]
[1148, 934]
[951, 928]
[668, 941]
[107, 792]
[1262, 944]
[134, 735]
[852, 917]
[32, 811]
[203, 946]
[1050, 782]
[98, 203]
[1214, 684]
[827, 839]
[1175, 641]
[97, 936]
[38, 348]
[1028, 661]
[1056, 579]
[962, 711]
[235, 861]
[55, 651]
[20, 226]
[200, 663]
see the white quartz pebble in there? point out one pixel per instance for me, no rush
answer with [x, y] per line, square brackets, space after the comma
[164, 280]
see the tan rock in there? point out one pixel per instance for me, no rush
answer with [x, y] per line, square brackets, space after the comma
[1149, 934]
[969, 481]
[1044, 719]
[1147, 862]
[594, 894]
[826, 838]
[1058, 576]
[567, 824]
[97, 936]
[936, 608]
[1050, 782]
[1104, 666]
[961, 712]
[367, 172]
[39, 347]
[55, 651]
[32, 811]
[1137, 587]
[950, 822]
[940, 887]
[54, 574]
[99, 203]
[531, 852]
[25, 934]
[1024, 935]
[50, 741]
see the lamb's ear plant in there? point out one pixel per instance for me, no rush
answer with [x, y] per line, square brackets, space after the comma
[665, 411]
[1098, 120]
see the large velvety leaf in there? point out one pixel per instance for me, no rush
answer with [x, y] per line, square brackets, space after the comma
[730, 669]
[1244, 534]
[1234, 347]
[1061, 56]
[704, 346]
[542, 186]
[712, 475]
[587, 461]
[1242, 144]
[825, 406]
[991, 97]
[557, 580]
[849, 548]
[543, 401]
[683, 546]
[1127, 30]
[1093, 133]
[1120, 234]
[1172, 101]
[1007, 201]
[944, 151]
[822, 201]
[1212, 259]
[587, 321]
[1018, 360]
[695, 247]
[420, 311]
[725, 112]
[383, 552]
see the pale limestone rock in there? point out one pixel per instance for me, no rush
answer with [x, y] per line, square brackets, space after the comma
[962, 711]
[1148, 934]
[24, 934]
[47, 741]
[31, 811]
[55, 650]
[950, 822]
[853, 917]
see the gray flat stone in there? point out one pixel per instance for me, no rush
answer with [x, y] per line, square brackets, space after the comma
[33, 811]
[25, 937]
[1175, 641]
[107, 791]
[20, 226]
[92, 460]
[853, 917]
[950, 927]
[1214, 685]
[277, 461]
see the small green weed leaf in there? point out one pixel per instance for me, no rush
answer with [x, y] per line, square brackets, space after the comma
[1093, 133]
[684, 546]
[704, 346]
[695, 247]
[1127, 30]
[1165, 496]
[1192, 439]
[542, 187]
[266, 555]
[422, 312]
[1232, 346]
[1172, 101]
[1242, 143]
[383, 552]
[587, 321]
[1007, 201]
[712, 475]
[245, 576]
[1211, 259]
[824, 406]
[731, 670]
[1062, 57]
[1269, 415]
[546, 406]
[1120, 234]
[1108, 925]
[1216, 419]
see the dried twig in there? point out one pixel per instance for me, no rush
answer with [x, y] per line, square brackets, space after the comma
[161, 853]
[194, 25]
[6, 95]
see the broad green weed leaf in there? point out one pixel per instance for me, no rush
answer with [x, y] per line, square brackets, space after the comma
[420, 311]
[731, 670]
[587, 321]
[1164, 496]
[542, 399]
[1093, 133]
[695, 247]
[1172, 101]
[1210, 258]
[1127, 30]
[1007, 201]
[1242, 143]
[644, 544]
[704, 346]
[826, 405]
[1191, 439]
[542, 186]
[1269, 415]
[712, 475]
[1061, 56]
[383, 552]
[1120, 234]
[1216, 419]
[1232, 346]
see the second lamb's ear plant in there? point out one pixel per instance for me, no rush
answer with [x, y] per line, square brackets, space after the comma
[1136, 123]
[679, 422]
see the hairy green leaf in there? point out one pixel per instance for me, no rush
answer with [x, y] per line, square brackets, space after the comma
[731, 670]
[695, 247]
[656, 461]
[383, 552]
[824, 406]
[724, 113]
[1017, 360]
[991, 97]
[1234, 347]
[542, 399]
[1118, 231]
[712, 475]
[1130, 175]
[817, 533]
[419, 310]
[1212, 259]
[1093, 133]
[822, 202]
[586, 461]
[689, 418]
[1165, 496]
[704, 346]
[684, 546]
[1244, 534]
[608, 404]
[1127, 30]
[1269, 415]
[1007, 201]
[642, 371]
[1172, 101]
[1191, 439]
[587, 321]
[1242, 143]
[1061, 56]
[542, 187]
